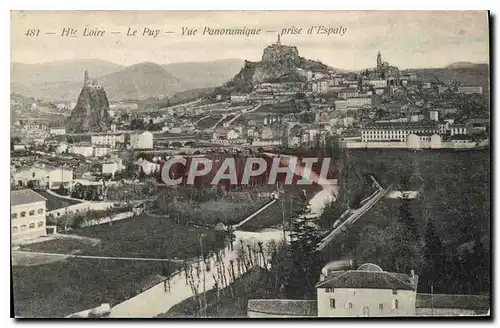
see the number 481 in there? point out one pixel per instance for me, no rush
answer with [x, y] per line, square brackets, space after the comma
[32, 32]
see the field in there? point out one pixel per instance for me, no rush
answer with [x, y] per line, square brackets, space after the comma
[65, 287]
[62, 245]
[208, 122]
[54, 202]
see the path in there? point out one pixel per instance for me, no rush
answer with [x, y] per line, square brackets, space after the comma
[369, 202]
[251, 216]
[64, 197]
[155, 300]
[204, 117]
[242, 113]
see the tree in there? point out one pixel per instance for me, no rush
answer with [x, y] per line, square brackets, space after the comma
[434, 256]
[305, 258]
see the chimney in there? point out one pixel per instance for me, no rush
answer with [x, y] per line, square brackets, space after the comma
[86, 77]
[412, 273]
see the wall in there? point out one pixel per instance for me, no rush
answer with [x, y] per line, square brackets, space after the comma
[365, 297]
[107, 219]
[81, 207]
[442, 312]
[423, 145]
[252, 314]
[36, 219]
[376, 145]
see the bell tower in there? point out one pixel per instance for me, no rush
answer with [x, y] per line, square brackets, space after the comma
[278, 43]
[86, 77]
[379, 61]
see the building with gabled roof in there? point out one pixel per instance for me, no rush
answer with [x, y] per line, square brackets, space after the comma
[368, 291]
[27, 214]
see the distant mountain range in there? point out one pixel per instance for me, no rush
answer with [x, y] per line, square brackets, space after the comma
[62, 80]
[464, 72]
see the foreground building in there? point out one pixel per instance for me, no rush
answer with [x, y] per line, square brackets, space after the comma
[27, 213]
[368, 292]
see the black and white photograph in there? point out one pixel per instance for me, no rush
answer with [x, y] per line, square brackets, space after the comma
[250, 164]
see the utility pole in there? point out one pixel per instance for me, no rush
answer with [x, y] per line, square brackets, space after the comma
[432, 298]
[204, 272]
[283, 212]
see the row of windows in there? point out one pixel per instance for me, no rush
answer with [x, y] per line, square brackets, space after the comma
[23, 214]
[353, 291]
[405, 132]
[24, 227]
[395, 305]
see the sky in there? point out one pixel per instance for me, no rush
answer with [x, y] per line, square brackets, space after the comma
[407, 39]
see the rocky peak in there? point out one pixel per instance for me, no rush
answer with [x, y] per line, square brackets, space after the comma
[91, 111]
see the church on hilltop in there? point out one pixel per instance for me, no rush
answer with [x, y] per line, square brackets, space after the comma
[384, 70]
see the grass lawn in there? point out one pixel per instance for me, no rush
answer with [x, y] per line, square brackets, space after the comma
[60, 245]
[54, 202]
[65, 287]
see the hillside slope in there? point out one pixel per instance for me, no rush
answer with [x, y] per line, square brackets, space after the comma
[205, 74]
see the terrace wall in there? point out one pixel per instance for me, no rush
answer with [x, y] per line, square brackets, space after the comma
[81, 207]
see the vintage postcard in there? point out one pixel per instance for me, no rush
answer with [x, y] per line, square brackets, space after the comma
[249, 164]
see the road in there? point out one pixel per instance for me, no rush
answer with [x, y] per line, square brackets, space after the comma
[354, 216]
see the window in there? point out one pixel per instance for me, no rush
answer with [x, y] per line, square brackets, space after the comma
[14, 229]
[332, 303]
[350, 305]
[381, 306]
[395, 304]
[32, 226]
[32, 212]
[13, 215]
[365, 311]
[24, 227]
[23, 214]
[40, 224]
[330, 290]
[394, 292]
[40, 211]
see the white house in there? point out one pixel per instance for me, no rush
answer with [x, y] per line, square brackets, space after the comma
[44, 177]
[142, 141]
[83, 150]
[57, 131]
[366, 292]
[458, 129]
[27, 215]
[109, 140]
[434, 115]
[377, 83]
[101, 151]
